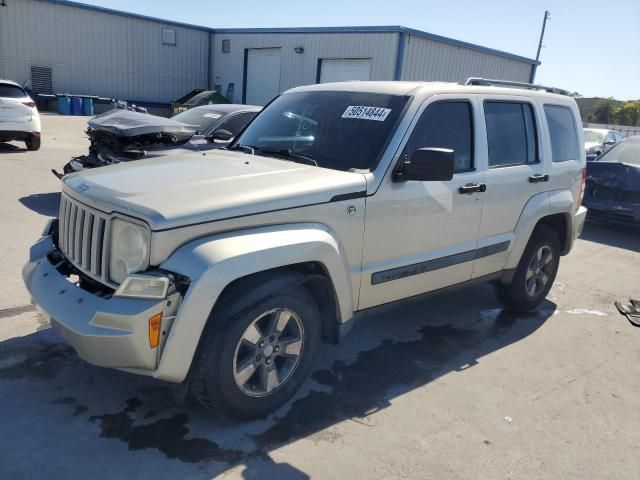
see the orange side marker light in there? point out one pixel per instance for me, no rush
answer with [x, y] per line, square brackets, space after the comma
[155, 324]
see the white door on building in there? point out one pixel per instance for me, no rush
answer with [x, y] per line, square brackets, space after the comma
[345, 69]
[263, 75]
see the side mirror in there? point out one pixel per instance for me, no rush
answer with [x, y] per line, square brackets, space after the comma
[222, 135]
[427, 164]
[608, 143]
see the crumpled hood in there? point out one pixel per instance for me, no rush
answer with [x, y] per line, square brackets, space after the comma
[125, 123]
[590, 145]
[622, 176]
[180, 190]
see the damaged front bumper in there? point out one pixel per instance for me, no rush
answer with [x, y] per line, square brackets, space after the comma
[104, 329]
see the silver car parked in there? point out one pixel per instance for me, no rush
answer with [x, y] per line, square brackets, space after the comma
[599, 140]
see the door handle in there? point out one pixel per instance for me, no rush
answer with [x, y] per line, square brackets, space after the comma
[538, 178]
[472, 187]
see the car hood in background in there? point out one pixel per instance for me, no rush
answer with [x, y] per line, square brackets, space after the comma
[180, 190]
[589, 145]
[614, 175]
[125, 123]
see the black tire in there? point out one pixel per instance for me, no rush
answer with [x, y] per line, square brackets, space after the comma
[212, 381]
[516, 296]
[32, 143]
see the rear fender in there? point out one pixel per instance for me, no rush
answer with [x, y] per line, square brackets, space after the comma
[536, 208]
[212, 263]
[562, 202]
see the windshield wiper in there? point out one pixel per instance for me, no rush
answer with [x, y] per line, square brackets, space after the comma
[245, 148]
[282, 152]
[287, 153]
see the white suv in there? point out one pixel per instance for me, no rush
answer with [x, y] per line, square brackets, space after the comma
[223, 272]
[19, 118]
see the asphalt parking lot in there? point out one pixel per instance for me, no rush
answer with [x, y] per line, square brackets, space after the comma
[448, 387]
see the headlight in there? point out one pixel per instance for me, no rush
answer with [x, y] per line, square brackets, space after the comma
[129, 251]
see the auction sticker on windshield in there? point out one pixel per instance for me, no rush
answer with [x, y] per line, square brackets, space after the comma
[362, 112]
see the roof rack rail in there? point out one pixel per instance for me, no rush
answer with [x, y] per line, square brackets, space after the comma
[509, 83]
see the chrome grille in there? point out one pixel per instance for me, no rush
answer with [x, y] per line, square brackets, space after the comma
[81, 237]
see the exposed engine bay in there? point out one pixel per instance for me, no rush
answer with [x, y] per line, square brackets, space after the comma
[122, 135]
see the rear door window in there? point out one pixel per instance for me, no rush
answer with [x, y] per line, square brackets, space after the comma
[511, 133]
[11, 91]
[446, 124]
[563, 133]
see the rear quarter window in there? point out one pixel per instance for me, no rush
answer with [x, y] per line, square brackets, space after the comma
[563, 133]
[11, 91]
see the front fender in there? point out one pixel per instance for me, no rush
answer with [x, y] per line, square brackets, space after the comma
[212, 263]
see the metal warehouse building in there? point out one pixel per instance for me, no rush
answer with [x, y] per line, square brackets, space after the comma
[57, 46]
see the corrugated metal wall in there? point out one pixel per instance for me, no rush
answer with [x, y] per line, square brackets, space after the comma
[116, 55]
[435, 61]
[97, 53]
[301, 68]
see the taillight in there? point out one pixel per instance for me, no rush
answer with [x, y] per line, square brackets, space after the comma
[29, 104]
[583, 181]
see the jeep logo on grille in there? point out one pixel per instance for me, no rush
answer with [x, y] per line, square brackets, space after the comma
[83, 187]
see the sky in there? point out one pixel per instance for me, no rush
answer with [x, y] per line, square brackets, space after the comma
[590, 47]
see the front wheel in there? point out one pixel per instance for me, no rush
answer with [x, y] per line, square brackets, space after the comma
[535, 273]
[252, 360]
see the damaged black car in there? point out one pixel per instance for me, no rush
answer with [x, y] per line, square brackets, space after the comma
[122, 135]
[612, 190]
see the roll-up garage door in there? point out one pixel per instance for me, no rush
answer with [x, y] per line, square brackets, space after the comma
[344, 69]
[263, 75]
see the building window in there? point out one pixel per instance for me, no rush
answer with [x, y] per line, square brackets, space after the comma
[226, 46]
[168, 36]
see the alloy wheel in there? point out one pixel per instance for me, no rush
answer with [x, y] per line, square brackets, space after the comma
[539, 271]
[268, 352]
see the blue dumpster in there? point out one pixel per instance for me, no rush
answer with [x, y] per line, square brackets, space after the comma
[64, 105]
[87, 106]
[76, 105]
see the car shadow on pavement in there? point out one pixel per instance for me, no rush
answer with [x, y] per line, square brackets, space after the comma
[46, 204]
[613, 235]
[11, 148]
[84, 409]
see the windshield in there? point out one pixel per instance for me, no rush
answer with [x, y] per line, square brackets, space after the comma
[623, 152]
[590, 136]
[203, 118]
[337, 130]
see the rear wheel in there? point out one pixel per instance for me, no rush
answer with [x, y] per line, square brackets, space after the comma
[535, 273]
[33, 143]
[252, 360]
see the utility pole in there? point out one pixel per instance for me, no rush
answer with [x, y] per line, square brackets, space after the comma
[547, 16]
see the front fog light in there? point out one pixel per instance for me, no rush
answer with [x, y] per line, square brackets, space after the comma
[143, 286]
